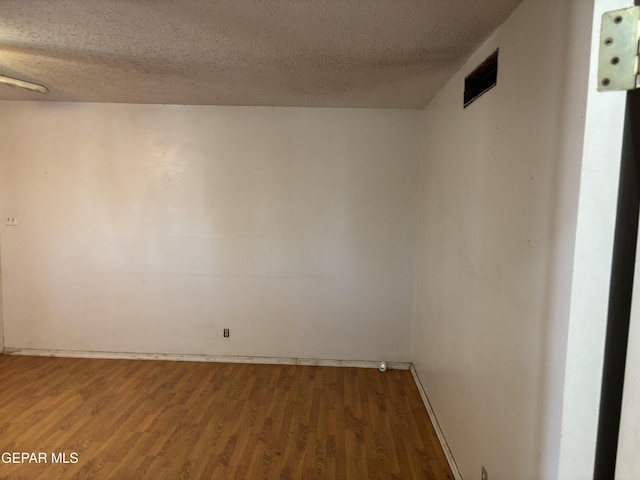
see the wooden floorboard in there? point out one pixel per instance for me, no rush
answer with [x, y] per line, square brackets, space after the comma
[137, 419]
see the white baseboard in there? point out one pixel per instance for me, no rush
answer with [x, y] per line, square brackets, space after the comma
[205, 358]
[436, 425]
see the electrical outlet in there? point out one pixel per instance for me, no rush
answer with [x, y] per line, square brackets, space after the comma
[11, 221]
[225, 333]
[485, 475]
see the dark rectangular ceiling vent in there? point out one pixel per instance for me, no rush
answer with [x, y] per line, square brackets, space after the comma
[481, 80]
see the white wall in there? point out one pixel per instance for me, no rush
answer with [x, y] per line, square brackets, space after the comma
[497, 223]
[149, 229]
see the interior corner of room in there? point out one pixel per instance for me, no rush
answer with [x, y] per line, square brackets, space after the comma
[470, 242]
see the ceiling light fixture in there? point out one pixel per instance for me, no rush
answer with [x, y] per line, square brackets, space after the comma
[14, 82]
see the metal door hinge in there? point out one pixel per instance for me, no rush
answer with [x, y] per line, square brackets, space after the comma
[619, 44]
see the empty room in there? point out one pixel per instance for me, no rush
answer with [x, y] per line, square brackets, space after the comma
[288, 239]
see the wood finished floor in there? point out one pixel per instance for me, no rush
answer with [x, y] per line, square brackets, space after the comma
[130, 419]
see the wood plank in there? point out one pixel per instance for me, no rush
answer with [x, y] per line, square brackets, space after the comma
[161, 419]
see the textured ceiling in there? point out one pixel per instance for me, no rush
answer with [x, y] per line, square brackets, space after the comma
[349, 53]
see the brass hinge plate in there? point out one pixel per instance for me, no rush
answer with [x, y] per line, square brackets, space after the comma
[619, 44]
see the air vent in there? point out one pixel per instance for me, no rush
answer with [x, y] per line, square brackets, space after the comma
[481, 80]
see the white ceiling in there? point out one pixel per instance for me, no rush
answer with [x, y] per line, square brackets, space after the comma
[347, 53]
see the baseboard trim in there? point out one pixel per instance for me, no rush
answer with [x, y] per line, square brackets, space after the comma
[205, 358]
[436, 425]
